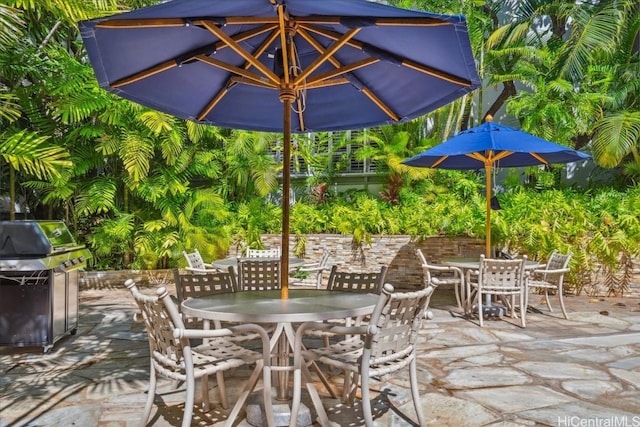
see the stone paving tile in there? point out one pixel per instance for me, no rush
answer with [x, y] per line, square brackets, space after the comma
[500, 375]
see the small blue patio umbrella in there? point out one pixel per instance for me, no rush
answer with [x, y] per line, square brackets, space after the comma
[489, 146]
[283, 65]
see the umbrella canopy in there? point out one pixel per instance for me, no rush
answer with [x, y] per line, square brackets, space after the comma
[489, 146]
[283, 65]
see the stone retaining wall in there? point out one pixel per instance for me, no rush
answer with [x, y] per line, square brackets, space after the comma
[396, 252]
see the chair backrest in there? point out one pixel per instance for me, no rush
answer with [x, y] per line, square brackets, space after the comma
[263, 253]
[258, 274]
[191, 285]
[325, 258]
[365, 282]
[557, 261]
[501, 275]
[398, 317]
[194, 259]
[161, 318]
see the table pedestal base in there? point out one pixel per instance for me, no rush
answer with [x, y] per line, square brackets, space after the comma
[281, 414]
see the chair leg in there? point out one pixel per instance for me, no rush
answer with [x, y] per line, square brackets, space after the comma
[560, 297]
[546, 298]
[151, 394]
[523, 307]
[366, 401]
[189, 401]
[297, 396]
[480, 309]
[266, 396]
[415, 393]
[223, 391]
[458, 298]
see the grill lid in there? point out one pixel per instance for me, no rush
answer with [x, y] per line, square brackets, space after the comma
[28, 238]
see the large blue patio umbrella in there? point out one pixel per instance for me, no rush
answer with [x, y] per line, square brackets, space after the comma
[283, 65]
[490, 146]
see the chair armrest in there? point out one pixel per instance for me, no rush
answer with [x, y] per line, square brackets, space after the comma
[312, 268]
[557, 271]
[200, 270]
[336, 328]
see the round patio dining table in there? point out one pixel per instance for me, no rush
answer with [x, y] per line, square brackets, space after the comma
[303, 305]
[470, 263]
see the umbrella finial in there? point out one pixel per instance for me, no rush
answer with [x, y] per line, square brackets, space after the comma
[488, 118]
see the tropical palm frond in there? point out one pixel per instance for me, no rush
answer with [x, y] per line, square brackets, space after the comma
[616, 136]
[136, 152]
[97, 196]
[33, 154]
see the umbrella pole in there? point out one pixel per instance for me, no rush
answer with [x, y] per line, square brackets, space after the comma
[488, 224]
[286, 186]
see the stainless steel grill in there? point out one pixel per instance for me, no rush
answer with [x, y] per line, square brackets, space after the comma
[39, 263]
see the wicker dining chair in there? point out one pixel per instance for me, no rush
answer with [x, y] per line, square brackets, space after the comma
[502, 277]
[318, 268]
[384, 346]
[551, 278]
[263, 253]
[173, 357]
[255, 274]
[443, 275]
[350, 281]
[196, 264]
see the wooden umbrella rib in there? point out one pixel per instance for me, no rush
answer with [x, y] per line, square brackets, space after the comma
[328, 53]
[142, 23]
[378, 22]
[283, 43]
[439, 161]
[384, 107]
[479, 157]
[211, 105]
[167, 65]
[233, 69]
[342, 70]
[333, 35]
[327, 82]
[499, 156]
[539, 158]
[251, 82]
[436, 73]
[242, 52]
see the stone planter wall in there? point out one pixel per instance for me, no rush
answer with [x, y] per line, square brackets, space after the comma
[396, 252]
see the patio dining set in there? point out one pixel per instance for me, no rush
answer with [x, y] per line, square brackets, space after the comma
[229, 313]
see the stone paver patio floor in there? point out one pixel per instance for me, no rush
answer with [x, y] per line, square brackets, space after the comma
[556, 372]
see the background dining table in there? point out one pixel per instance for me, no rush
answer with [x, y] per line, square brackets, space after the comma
[303, 305]
[473, 263]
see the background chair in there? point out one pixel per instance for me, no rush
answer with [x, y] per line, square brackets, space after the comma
[172, 356]
[196, 264]
[210, 283]
[551, 277]
[349, 281]
[263, 253]
[367, 282]
[388, 344]
[317, 268]
[258, 274]
[500, 277]
[443, 275]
